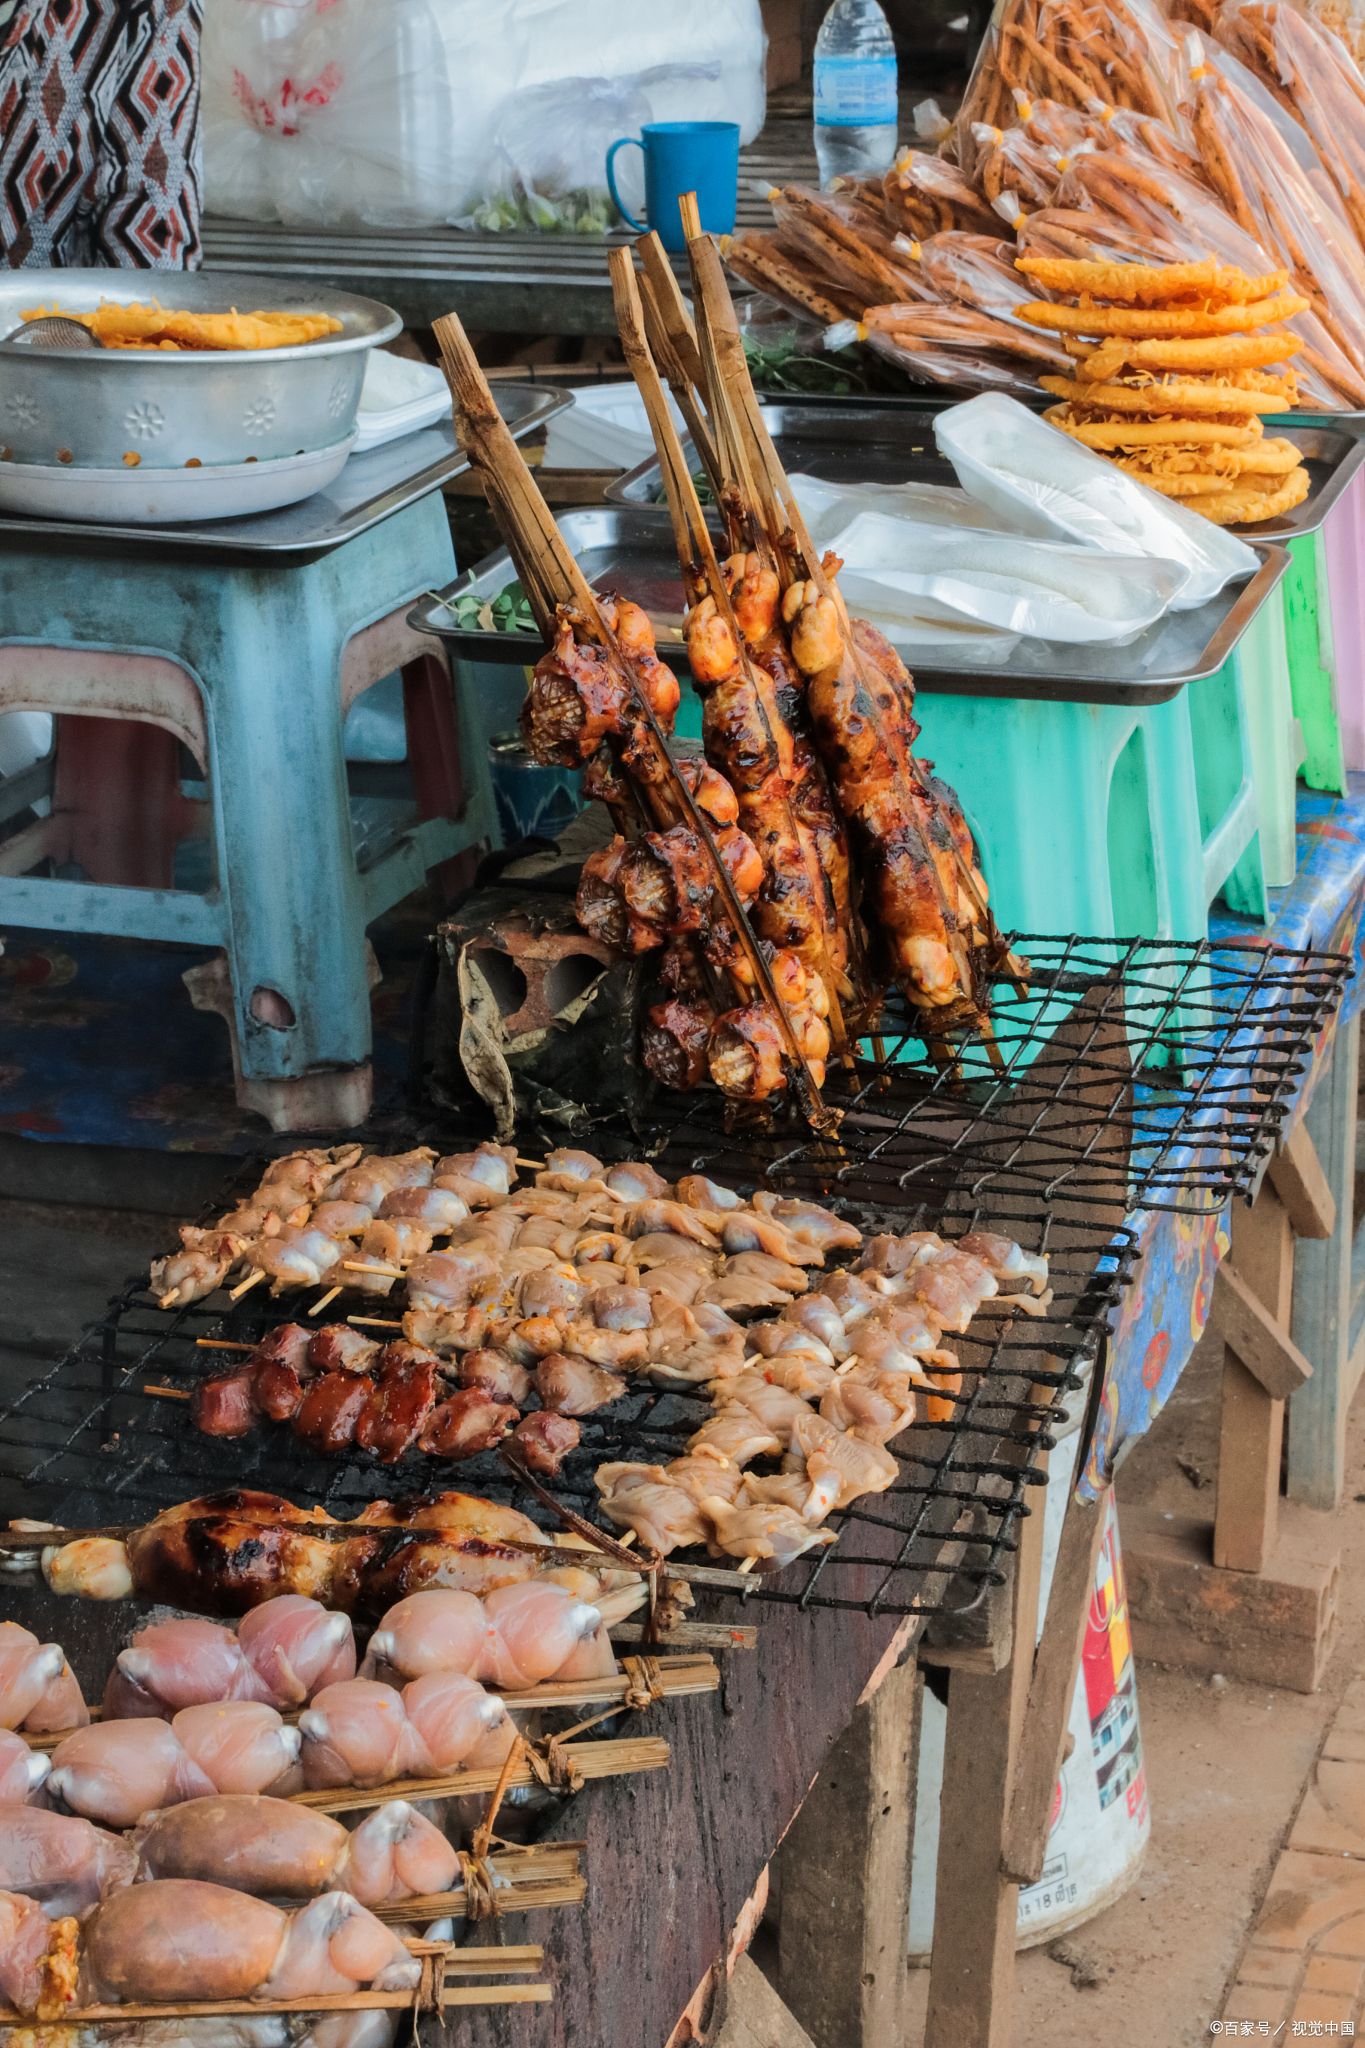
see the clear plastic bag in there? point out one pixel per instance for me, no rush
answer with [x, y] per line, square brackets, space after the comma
[352, 113]
[978, 272]
[924, 195]
[1313, 76]
[547, 169]
[962, 349]
[839, 240]
[1262, 186]
[1048, 485]
[1126, 207]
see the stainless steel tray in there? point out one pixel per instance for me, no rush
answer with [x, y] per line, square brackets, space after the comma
[858, 442]
[632, 551]
[370, 488]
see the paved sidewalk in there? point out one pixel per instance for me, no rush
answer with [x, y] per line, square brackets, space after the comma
[1302, 1974]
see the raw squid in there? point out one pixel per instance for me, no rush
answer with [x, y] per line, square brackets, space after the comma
[364, 1733]
[271, 1847]
[116, 1771]
[22, 1770]
[65, 1864]
[513, 1638]
[37, 1688]
[178, 1939]
[282, 1654]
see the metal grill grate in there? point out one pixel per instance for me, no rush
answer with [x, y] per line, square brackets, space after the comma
[1126, 1074]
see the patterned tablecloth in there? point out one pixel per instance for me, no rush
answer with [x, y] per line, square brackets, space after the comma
[1163, 1313]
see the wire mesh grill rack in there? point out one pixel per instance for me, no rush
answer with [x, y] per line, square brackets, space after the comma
[1208, 1042]
[1123, 1075]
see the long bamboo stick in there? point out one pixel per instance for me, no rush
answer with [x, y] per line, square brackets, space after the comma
[702, 571]
[617, 1759]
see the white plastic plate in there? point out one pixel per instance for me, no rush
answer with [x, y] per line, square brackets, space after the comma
[152, 497]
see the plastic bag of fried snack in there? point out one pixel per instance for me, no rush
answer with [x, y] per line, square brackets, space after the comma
[835, 238]
[976, 271]
[1119, 52]
[924, 195]
[1264, 188]
[757, 260]
[1164, 216]
[1049, 485]
[959, 347]
[1303, 66]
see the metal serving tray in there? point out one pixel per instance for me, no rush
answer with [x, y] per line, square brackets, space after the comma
[857, 442]
[632, 552]
[370, 488]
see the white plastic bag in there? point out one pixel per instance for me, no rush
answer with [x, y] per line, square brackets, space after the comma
[899, 569]
[1047, 485]
[351, 113]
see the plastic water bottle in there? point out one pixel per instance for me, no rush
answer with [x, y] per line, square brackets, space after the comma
[855, 91]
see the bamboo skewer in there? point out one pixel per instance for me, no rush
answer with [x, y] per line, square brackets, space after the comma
[320, 1304]
[623, 1758]
[548, 568]
[786, 534]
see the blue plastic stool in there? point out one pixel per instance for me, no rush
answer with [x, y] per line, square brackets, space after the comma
[1096, 818]
[253, 668]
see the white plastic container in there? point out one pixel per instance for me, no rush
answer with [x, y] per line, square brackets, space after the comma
[1100, 1817]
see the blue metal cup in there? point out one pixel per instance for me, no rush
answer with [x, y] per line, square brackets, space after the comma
[684, 156]
[532, 802]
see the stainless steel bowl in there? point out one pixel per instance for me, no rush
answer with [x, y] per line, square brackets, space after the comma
[91, 409]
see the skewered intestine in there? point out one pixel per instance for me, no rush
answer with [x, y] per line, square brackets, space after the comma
[365, 1733]
[179, 1939]
[116, 1771]
[281, 1654]
[276, 1849]
[544, 1440]
[63, 1863]
[767, 1531]
[572, 1386]
[38, 1690]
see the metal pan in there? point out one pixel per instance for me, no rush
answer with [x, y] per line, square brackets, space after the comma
[97, 408]
[632, 552]
[856, 442]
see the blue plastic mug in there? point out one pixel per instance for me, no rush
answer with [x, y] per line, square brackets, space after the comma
[684, 156]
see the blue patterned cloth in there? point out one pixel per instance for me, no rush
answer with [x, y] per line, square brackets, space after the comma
[1163, 1314]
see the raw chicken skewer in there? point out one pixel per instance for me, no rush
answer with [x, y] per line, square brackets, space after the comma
[274, 1848]
[61, 1862]
[115, 1771]
[177, 1939]
[38, 1690]
[280, 1655]
[364, 1733]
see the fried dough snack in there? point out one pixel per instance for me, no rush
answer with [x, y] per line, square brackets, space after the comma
[154, 327]
[1194, 405]
[1147, 284]
[1109, 431]
[1141, 321]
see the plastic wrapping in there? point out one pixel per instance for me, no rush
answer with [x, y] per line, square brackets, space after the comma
[1047, 485]
[1262, 186]
[900, 569]
[925, 195]
[758, 262]
[546, 167]
[347, 113]
[957, 346]
[979, 273]
[1315, 79]
[1119, 52]
[1010, 160]
[1126, 206]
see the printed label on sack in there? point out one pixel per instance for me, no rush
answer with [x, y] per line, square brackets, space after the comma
[855, 92]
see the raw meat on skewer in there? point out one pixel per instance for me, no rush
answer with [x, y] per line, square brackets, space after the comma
[364, 1733]
[116, 1771]
[511, 1639]
[25, 1940]
[63, 1863]
[37, 1688]
[275, 1849]
[177, 1939]
[281, 1654]
[22, 1770]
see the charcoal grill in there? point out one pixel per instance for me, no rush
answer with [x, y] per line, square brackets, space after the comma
[1162, 1086]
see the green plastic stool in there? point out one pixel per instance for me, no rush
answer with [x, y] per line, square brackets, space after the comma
[1313, 670]
[1097, 818]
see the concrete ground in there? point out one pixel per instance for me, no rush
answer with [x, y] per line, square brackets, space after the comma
[1230, 1769]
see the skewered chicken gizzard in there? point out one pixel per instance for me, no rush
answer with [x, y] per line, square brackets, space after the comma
[575, 1290]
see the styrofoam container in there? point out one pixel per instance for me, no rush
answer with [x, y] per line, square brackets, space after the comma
[398, 397]
[606, 427]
